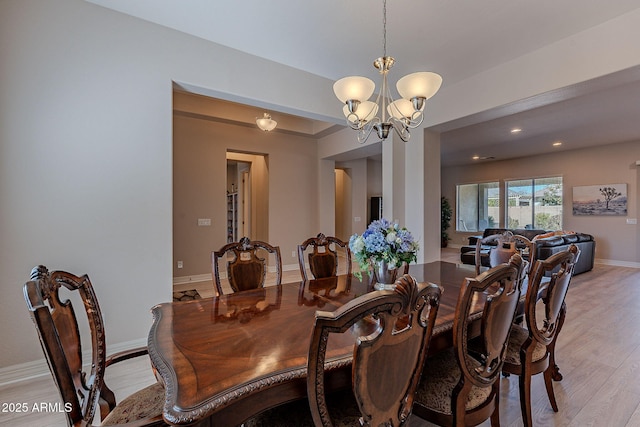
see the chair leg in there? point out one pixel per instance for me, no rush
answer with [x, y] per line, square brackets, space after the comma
[525, 396]
[555, 374]
[548, 383]
[495, 416]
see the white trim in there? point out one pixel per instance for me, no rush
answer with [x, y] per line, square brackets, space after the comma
[38, 368]
[288, 267]
[223, 275]
[615, 263]
[197, 278]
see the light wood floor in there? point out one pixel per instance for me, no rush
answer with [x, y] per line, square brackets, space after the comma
[598, 353]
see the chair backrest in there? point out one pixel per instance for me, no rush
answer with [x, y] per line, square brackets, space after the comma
[481, 362]
[388, 356]
[526, 248]
[323, 258]
[561, 264]
[57, 326]
[245, 270]
[502, 247]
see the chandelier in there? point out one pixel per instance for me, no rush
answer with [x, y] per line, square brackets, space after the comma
[266, 123]
[401, 115]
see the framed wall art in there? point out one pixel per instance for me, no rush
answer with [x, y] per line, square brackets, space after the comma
[606, 199]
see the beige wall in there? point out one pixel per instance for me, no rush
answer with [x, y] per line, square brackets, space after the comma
[616, 241]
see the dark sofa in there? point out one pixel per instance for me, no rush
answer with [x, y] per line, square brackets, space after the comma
[545, 246]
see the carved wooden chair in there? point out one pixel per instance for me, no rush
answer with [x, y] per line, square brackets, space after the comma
[531, 350]
[390, 350]
[501, 248]
[527, 249]
[323, 258]
[461, 386]
[82, 386]
[246, 269]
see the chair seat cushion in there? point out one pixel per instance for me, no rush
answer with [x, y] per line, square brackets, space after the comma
[146, 403]
[439, 378]
[343, 410]
[518, 336]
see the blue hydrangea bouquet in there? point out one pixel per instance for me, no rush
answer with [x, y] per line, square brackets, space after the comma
[383, 241]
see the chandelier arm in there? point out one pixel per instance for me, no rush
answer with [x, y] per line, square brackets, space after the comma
[365, 131]
[401, 130]
[415, 120]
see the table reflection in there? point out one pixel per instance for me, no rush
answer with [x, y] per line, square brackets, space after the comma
[246, 305]
[317, 292]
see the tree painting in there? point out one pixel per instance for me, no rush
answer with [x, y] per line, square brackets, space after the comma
[610, 199]
[609, 193]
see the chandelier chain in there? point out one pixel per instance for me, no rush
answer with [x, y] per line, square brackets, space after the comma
[384, 28]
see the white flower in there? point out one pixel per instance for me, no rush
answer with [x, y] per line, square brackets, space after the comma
[358, 244]
[391, 237]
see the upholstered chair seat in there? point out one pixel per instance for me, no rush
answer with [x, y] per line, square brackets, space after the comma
[142, 404]
[439, 378]
[519, 335]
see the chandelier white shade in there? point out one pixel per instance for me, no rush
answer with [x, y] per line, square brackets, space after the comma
[354, 87]
[367, 110]
[401, 115]
[266, 123]
[423, 84]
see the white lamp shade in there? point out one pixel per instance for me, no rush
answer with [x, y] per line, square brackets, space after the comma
[266, 123]
[366, 111]
[423, 84]
[401, 108]
[354, 88]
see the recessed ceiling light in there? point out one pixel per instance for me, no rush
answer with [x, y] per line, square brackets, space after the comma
[516, 130]
[557, 143]
[475, 157]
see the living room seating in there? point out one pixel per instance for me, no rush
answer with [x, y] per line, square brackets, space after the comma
[461, 386]
[531, 350]
[82, 387]
[394, 329]
[246, 269]
[323, 258]
[545, 243]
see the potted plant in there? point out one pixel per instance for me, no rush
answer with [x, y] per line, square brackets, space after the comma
[445, 217]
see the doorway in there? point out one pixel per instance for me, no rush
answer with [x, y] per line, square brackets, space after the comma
[343, 204]
[248, 184]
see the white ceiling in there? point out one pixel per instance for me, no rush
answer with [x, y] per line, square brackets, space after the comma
[457, 39]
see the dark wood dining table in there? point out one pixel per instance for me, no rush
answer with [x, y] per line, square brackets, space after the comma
[225, 358]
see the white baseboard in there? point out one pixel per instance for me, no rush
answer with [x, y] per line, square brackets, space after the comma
[288, 267]
[196, 278]
[208, 277]
[617, 263]
[38, 368]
